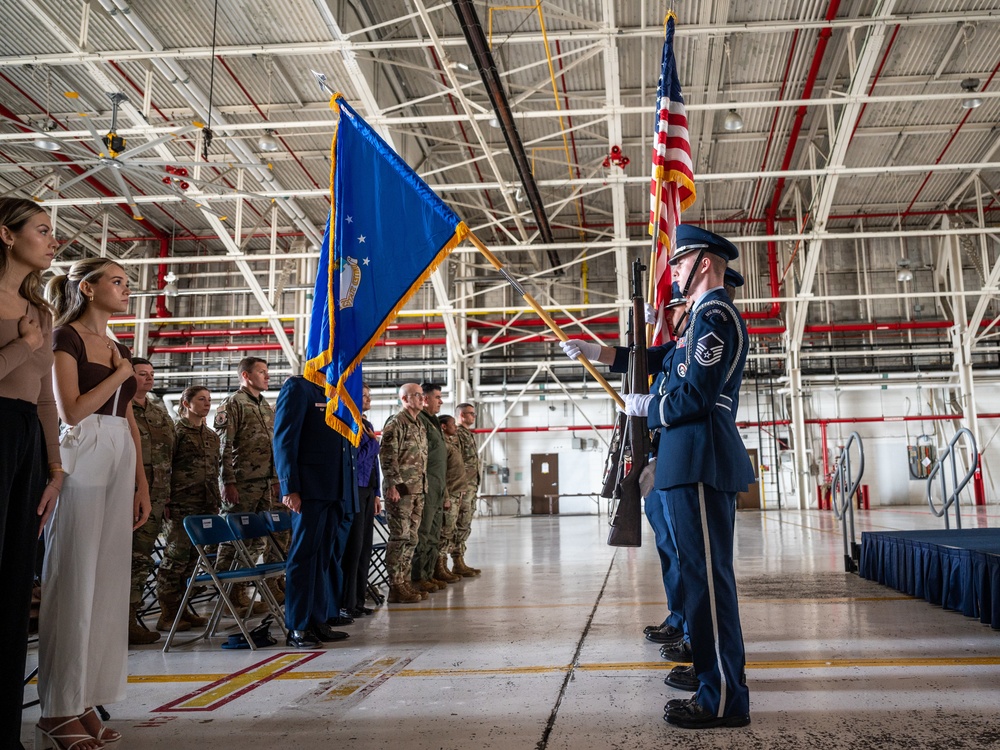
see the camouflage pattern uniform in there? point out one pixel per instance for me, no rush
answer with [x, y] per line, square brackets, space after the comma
[425, 557]
[246, 427]
[463, 525]
[403, 457]
[156, 434]
[194, 490]
[455, 488]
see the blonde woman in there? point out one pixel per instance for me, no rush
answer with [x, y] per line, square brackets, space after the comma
[83, 623]
[29, 442]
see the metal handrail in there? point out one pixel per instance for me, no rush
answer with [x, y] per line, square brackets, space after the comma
[842, 491]
[952, 499]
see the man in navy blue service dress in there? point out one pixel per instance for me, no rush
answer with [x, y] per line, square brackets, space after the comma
[317, 469]
[702, 464]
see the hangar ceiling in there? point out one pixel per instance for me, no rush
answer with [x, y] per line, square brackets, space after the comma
[862, 189]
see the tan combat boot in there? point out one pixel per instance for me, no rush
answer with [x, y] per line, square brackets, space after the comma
[462, 569]
[429, 586]
[276, 589]
[408, 585]
[138, 635]
[193, 619]
[402, 595]
[241, 600]
[168, 613]
[441, 572]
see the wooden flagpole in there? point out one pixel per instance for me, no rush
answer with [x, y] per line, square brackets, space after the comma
[544, 316]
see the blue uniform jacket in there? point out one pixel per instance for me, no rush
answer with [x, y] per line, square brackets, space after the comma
[311, 458]
[695, 403]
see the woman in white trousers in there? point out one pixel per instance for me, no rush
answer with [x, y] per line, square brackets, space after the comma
[83, 635]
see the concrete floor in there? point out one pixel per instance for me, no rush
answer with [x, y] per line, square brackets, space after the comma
[545, 651]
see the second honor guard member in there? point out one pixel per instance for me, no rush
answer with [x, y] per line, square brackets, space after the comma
[317, 469]
[156, 435]
[702, 463]
[473, 470]
[245, 423]
[403, 457]
[671, 632]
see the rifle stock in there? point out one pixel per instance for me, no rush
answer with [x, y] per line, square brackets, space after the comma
[626, 527]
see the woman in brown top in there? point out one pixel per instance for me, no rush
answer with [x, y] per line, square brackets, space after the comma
[30, 435]
[83, 624]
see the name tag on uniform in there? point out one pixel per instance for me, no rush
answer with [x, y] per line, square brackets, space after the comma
[320, 406]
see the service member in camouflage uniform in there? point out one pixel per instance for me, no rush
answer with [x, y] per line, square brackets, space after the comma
[403, 457]
[156, 433]
[429, 536]
[245, 423]
[473, 468]
[194, 490]
[455, 485]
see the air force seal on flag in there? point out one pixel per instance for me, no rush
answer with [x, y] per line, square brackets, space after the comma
[350, 279]
[708, 351]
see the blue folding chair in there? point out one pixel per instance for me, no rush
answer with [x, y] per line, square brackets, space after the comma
[277, 521]
[205, 531]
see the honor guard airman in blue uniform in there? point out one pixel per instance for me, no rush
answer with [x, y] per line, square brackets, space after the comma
[702, 464]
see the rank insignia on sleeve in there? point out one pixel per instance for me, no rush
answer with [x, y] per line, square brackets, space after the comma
[708, 352]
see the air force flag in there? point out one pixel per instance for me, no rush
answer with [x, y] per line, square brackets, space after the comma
[387, 233]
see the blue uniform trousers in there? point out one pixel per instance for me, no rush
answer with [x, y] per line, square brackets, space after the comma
[666, 547]
[338, 587]
[703, 521]
[310, 563]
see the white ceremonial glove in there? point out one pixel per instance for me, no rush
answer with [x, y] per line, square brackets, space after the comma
[575, 347]
[637, 404]
[650, 315]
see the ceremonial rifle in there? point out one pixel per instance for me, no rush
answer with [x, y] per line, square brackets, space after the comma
[626, 528]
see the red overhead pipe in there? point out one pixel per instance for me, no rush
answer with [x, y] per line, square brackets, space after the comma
[772, 211]
[186, 333]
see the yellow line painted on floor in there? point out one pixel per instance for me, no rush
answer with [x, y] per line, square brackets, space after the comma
[642, 666]
[222, 690]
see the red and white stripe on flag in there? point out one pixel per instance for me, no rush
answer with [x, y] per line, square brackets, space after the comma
[673, 171]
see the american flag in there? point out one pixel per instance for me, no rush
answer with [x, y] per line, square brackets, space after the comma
[672, 168]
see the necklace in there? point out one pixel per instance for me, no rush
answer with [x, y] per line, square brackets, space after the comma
[104, 339]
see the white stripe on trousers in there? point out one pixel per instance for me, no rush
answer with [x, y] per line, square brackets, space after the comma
[711, 598]
[83, 623]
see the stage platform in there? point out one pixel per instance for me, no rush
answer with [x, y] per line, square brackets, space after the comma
[956, 569]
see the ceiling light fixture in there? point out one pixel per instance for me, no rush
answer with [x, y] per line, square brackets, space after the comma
[170, 287]
[268, 142]
[969, 86]
[494, 122]
[903, 274]
[733, 122]
[45, 142]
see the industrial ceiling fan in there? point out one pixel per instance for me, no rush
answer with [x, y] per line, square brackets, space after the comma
[131, 169]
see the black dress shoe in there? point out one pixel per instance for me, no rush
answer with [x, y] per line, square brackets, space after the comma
[339, 621]
[301, 639]
[680, 653]
[674, 703]
[690, 715]
[668, 635]
[650, 628]
[366, 611]
[683, 678]
[326, 634]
